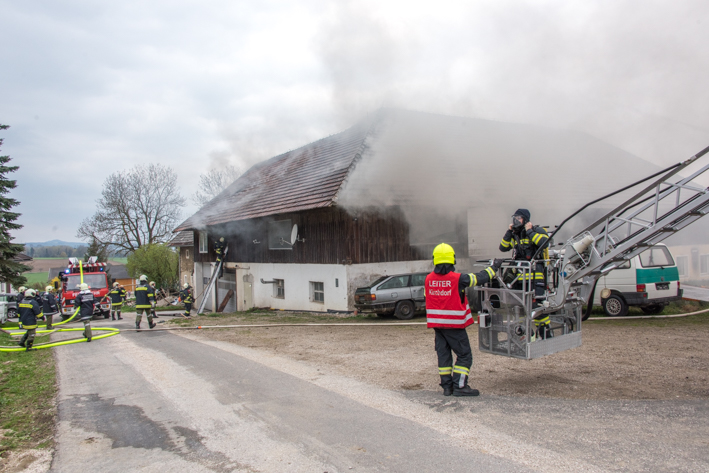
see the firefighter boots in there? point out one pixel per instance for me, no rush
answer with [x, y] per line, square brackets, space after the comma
[465, 391]
[151, 324]
[447, 390]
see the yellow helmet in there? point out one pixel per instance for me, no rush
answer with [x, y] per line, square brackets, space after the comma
[48, 289]
[115, 284]
[443, 253]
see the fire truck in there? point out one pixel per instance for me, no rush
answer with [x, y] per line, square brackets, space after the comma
[95, 276]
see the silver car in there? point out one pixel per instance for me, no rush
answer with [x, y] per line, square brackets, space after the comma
[401, 295]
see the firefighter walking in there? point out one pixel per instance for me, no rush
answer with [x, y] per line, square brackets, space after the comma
[186, 298]
[155, 294]
[117, 295]
[30, 312]
[84, 300]
[144, 301]
[49, 305]
[525, 239]
[448, 314]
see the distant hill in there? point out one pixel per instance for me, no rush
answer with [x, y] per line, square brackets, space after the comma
[54, 243]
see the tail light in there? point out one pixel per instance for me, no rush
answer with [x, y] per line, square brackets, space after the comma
[640, 288]
[373, 297]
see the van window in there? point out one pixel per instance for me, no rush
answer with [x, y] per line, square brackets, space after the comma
[656, 256]
[418, 279]
[396, 282]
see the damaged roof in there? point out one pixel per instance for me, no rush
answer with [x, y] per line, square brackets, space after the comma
[185, 238]
[306, 178]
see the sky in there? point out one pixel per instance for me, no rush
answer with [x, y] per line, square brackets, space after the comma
[92, 88]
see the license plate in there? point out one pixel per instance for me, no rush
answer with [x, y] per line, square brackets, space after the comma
[662, 286]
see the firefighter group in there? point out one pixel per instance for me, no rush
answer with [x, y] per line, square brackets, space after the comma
[447, 310]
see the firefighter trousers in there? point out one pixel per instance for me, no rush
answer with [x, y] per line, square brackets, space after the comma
[457, 341]
[188, 308]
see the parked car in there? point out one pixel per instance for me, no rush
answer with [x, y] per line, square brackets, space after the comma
[401, 295]
[650, 280]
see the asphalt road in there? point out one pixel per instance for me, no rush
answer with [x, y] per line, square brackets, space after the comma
[159, 401]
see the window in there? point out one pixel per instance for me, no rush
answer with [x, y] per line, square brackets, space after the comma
[278, 289]
[317, 292]
[187, 254]
[683, 266]
[203, 242]
[655, 257]
[703, 266]
[418, 279]
[396, 282]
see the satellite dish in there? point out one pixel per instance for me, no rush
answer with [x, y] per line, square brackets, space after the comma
[294, 234]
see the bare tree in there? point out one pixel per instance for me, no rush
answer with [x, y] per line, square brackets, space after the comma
[215, 181]
[136, 208]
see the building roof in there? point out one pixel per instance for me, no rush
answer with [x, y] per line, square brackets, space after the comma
[407, 158]
[21, 258]
[185, 238]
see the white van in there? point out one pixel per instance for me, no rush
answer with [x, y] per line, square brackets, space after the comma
[650, 280]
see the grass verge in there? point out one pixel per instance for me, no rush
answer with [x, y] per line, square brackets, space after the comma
[27, 398]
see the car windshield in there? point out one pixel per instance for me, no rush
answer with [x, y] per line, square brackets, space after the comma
[374, 283]
[656, 256]
[95, 281]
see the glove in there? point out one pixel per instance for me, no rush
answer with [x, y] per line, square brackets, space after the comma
[496, 263]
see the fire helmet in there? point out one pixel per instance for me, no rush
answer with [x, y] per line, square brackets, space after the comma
[185, 285]
[49, 288]
[84, 287]
[443, 253]
[115, 284]
[152, 283]
[21, 289]
[221, 239]
[143, 277]
[30, 293]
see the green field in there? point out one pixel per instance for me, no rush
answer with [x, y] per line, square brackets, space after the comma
[32, 278]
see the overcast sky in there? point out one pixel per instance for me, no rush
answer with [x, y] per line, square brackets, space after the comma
[91, 87]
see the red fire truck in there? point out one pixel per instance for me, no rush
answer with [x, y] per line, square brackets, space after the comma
[97, 279]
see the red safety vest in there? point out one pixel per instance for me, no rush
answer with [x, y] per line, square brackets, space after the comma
[443, 306]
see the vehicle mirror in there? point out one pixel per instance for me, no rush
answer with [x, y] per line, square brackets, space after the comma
[56, 285]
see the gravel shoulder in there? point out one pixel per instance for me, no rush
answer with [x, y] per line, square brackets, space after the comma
[664, 359]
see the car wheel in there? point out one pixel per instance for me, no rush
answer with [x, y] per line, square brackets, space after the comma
[653, 309]
[404, 310]
[11, 313]
[615, 306]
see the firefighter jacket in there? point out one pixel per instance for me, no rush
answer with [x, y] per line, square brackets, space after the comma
[30, 311]
[117, 295]
[446, 305]
[144, 297]
[84, 300]
[49, 303]
[525, 243]
[219, 249]
[186, 296]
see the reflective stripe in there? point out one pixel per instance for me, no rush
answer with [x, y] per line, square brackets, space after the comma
[542, 321]
[473, 280]
[449, 321]
[26, 306]
[445, 370]
[538, 237]
[490, 272]
[447, 312]
[506, 244]
[539, 275]
[29, 327]
[461, 370]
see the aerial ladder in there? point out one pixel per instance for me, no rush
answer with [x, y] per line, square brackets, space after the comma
[664, 204]
[212, 282]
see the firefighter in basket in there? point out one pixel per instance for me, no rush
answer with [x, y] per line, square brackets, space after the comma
[49, 305]
[84, 300]
[186, 298]
[448, 314]
[30, 311]
[117, 295]
[144, 301]
[525, 239]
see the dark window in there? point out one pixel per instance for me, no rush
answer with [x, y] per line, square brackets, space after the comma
[278, 289]
[418, 279]
[318, 291]
[396, 282]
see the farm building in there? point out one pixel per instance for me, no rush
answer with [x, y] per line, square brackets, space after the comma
[309, 226]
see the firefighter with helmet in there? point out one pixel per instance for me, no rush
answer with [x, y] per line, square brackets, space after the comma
[448, 314]
[219, 249]
[525, 239]
[144, 302]
[155, 293]
[186, 298]
[117, 295]
[84, 300]
[30, 311]
[49, 305]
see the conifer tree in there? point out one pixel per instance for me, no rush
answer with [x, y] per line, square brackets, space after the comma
[10, 270]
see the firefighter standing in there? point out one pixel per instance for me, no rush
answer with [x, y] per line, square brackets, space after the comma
[117, 295]
[84, 300]
[49, 305]
[448, 313]
[144, 301]
[219, 249]
[155, 293]
[525, 239]
[186, 298]
[30, 311]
